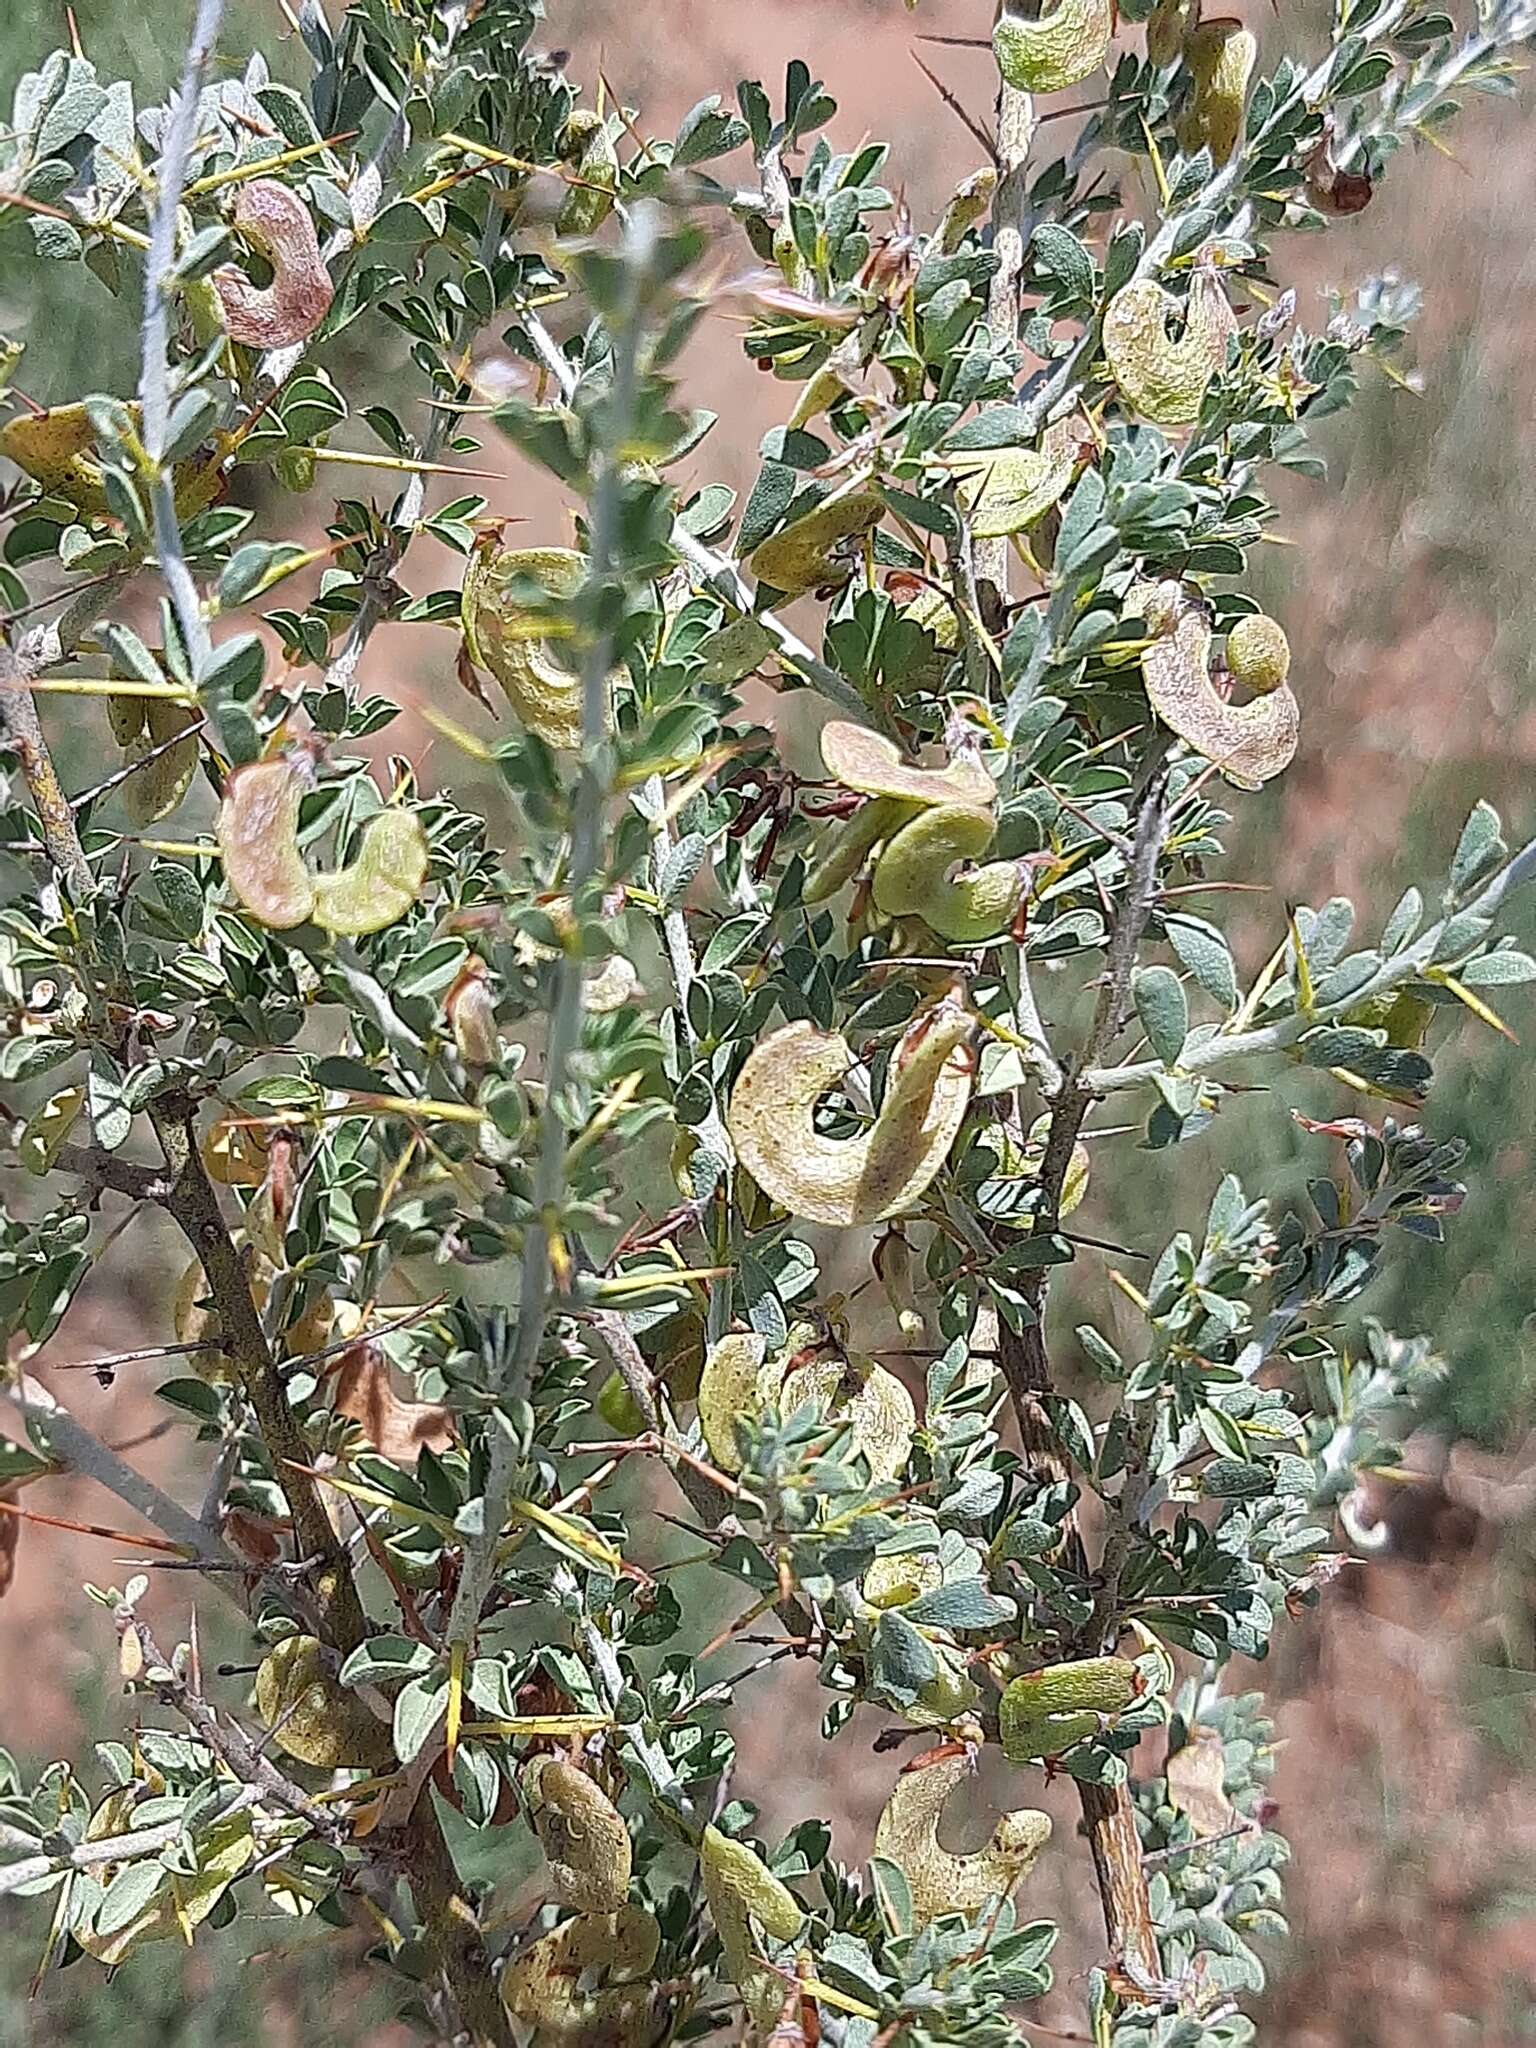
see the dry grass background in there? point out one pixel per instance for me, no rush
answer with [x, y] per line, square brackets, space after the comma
[1405, 1779]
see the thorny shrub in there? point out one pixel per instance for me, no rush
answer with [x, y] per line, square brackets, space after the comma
[390, 1065]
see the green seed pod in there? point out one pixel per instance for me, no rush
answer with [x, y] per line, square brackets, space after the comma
[159, 786]
[870, 763]
[968, 204]
[940, 1880]
[587, 1985]
[735, 1381]
[739, 1888]
[513, 640]
[1163, 379]
[179, 1901]
[1008, 490]
[895, 1581]
[1220, 56]
[1057, 50]
[1250, 743]
[871, 1401]
[915, 877]
[588, 149]
[276, 222]
[312, 1717]
[1258, 654]
[379, 886]
[585, 1841]
[810, 553]
[844, 852]
[846, 1181]
[1046, 1712]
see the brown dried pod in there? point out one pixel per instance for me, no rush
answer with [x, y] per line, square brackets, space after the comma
[276, 222]
[1250, 743]
[940, 1880]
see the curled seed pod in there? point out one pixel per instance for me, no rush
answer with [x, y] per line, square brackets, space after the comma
[583, 1835]
[57, 449]
[1057, 50]
[810, 553]
[896, 1581]
[873, 1403]
[588, 149]
[949, 1698]
[179, 1901]
[515, 640]
[915, 877]
[587, 1985]
[735, 1381]
[125, 715]
[870, 763]
[276, 222]
[1220, 56]
[845, 1181]
[470, 1007]
[968, 204]
[739, 1887]
[1258, 654]
[381, 883]
[845, 850]
[159, 786]
[258, 834]
[1011, 489]
[941, 1881]
[1163, 379]
[1250, 743]
[314, 1718]
[1046, 1712]
[1167, 25]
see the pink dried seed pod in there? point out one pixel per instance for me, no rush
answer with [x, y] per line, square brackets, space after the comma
[275, 221]
[258, 828]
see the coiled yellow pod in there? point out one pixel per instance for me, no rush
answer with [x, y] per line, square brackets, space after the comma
[582, 1833]
[58, 449]
[941, 1881]
[1220, 56]
[1047, 1712]
[740, 1888]
[257, 830]
[148, 727]
[1163, 379]
[312, 1716]
[513, 640]
[1250, 743]
[588, 1984]
[846, 1181]
[1056, 50]
[872, 1402]
[735, 1381]
[276, 222]
[811, 553]
[588, 149]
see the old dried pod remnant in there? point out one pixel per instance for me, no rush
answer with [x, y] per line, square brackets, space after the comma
[1164, 379]
[277, 224]
[312, 1716]
[582, 1833]
[258, 828]
[588, 1984]
[1250, 743]
[1058, 49]
[847, 1181]
[942, 1881]
[515, 640]
[1220, 56]
[813, 551]
[1047, 1712]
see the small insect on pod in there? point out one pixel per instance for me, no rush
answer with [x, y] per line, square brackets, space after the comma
[1220, 56]
[866, 1179]
[515, 640]
[257, 830]
[1056, 50]
[940, 1880]
[1047, 1712]
[740, 1888]
[312, 1716]
[813, 551]
[277, 224]
[1162, 379]
[1250, 743]
[582, 1833]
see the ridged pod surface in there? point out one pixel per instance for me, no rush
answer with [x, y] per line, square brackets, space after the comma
[847, 1181]
[1058, 49]
[1046, 1712]
[1220, 56]
[867, 761]
[582, 1833]
[314, 1718]
[740, 1888]
[940, 1880]
[588, 1984]
[808, 553]
[276, 222]
[873, 1403]
[1162, 379]
[915, 876]
[1250, 743]
[512, 639]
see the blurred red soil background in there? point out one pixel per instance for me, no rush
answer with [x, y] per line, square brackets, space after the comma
[1404, 1784]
